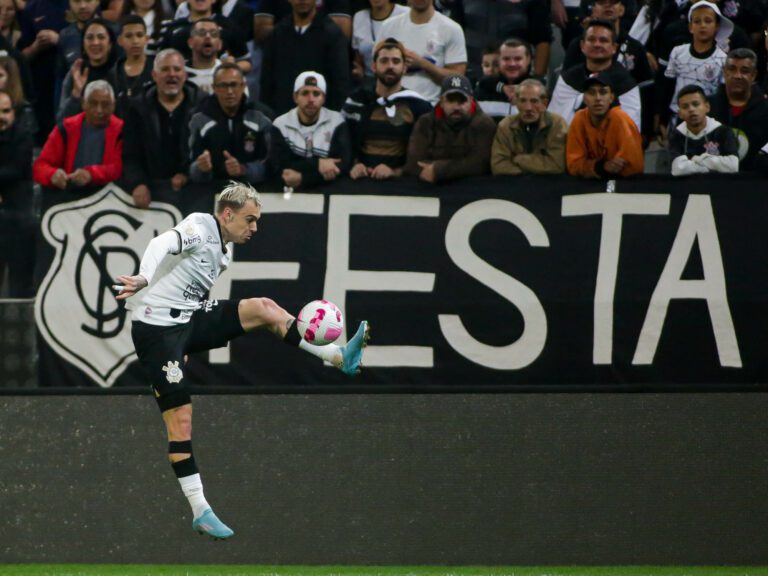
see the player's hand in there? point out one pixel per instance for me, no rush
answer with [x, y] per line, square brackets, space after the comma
[329, 168]
[232, 166]
[80, 177]
[141, 196]
[615, 165]
[427, 172]
[291, 178]
[382, 172]
[203, 162]
[179, 181]
[59, 179]
[127, 286]
[359, 170]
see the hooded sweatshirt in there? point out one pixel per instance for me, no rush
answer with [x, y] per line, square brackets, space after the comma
[714, 149]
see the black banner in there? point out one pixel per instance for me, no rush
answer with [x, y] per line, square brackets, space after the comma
[494, 281]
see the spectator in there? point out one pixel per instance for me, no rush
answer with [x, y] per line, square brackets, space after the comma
[435, 47]
[533, 141]
[236, 13]
[71, 37]
[489, 64]
[10, 82]
[272, 12]
[229, 137]
[700, 144]
[366, 29]
[134, 69]
[205, 44]
[741, 105]
[153, 14]
[455, 140]
[497, 95]
[233, 43]
[528, 20]
[629, 11]
[566, 15]
[41, 21]
[310, 144]
[381, 121]
[157, 133]
[304, 41]
[700, 62]
[17, 227]
[86, 149]
[599, 46]
[603, 140]
[8, 51]
[99, 56]
[9, 25]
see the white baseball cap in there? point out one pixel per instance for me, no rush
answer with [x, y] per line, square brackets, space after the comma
[309, 78]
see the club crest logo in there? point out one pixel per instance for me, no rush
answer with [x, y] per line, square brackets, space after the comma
[95, 239]
[172, 372]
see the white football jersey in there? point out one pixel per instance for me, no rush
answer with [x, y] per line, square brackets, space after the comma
[184, 276]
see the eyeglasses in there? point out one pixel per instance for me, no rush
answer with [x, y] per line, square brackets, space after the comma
[226, 86]
[203, 33]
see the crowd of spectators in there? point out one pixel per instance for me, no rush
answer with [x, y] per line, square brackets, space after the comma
[157, 94]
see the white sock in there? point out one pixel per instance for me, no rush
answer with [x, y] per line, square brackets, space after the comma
[192, 487]
[330, 352]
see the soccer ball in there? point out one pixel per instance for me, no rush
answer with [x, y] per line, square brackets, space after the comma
[320, 322]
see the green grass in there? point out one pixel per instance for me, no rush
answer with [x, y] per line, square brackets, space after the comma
[247, 570]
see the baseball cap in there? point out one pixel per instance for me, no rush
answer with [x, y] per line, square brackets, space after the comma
[598, 78]
[309, 78]
[456, 83]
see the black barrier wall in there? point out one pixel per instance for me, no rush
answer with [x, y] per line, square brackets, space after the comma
[509, 479]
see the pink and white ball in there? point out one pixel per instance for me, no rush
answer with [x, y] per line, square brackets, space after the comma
[320, 322]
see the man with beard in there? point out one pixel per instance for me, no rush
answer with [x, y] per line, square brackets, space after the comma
[86, 149]
[230, 139]
[157, 133]
[435, 47]
[17, 226]
[304, 41]
[381, 121]
[205, 44]
[533, 141]
[497, 95]
[741, 104]
[310, 144]
[455, 140]
[599, 46]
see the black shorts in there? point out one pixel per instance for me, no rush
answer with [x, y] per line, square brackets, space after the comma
[161, 349]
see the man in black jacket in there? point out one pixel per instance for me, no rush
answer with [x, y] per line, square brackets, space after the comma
[230, 138]
[304, 41]
[17, 227]
[156, 148]
[740, 104]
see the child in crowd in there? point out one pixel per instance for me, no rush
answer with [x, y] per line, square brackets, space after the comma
[700, 144]
[701, 61]
[490, 61]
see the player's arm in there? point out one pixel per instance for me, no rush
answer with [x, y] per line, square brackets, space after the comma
[159, 247]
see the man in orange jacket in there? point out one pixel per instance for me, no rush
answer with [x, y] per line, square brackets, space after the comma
[85, 149]
[603, 141]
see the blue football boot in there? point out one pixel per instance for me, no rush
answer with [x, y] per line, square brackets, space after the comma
[208, 523]
[352, 353]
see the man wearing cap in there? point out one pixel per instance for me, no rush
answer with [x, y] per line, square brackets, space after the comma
[603, 141]
[310, 144]
[599, 46]
[380, 121]
[455, 140]
[533, 141]
[229, 138]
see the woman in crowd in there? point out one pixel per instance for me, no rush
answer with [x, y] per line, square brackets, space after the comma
[9, 25]
[10, 81]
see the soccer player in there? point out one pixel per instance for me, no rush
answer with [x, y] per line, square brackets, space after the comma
[172, 319]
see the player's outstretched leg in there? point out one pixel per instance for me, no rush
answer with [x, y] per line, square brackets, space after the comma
[352, 353]
[208, 523]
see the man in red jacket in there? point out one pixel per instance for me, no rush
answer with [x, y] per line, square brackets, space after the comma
[86, 149]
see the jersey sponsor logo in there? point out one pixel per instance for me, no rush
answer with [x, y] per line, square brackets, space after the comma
[95, 239]
[172, 372]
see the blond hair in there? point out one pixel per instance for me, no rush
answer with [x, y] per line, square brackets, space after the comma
[236, 195]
